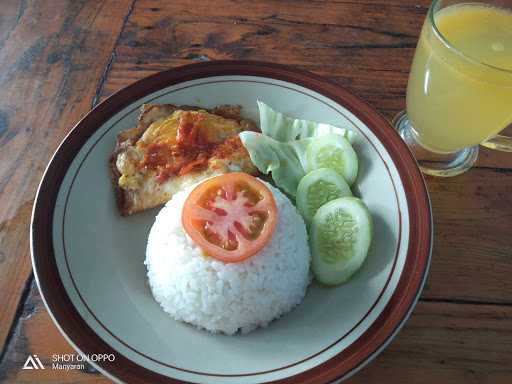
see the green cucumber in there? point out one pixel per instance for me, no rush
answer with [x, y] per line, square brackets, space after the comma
[335, 152]
[317, 188]
[341, 234]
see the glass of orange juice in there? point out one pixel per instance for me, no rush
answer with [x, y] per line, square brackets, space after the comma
[459, 93]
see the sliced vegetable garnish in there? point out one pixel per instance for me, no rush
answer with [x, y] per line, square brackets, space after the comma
[317, 188]
[231, 217]
[286, 161]
[284, 128]
[335, 152]
[341, 233]
[340, 225]
[284, 147]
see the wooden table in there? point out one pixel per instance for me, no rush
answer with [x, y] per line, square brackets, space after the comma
[59, 58]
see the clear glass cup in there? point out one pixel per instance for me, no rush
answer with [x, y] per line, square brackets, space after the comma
[459, 93]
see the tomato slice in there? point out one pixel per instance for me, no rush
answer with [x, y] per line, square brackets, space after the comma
[231, 217]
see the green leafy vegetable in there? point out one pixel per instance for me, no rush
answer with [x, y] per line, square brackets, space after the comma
[284, 128]
[340, 225]
[286, 161]
[281, 149]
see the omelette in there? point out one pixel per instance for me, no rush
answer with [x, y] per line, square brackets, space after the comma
[173, 147]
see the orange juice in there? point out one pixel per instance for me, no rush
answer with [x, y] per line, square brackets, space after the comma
[460, 87]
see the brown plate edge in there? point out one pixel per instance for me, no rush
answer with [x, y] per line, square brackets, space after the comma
[373, 340]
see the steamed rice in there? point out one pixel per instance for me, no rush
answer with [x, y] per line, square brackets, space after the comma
[223, 297]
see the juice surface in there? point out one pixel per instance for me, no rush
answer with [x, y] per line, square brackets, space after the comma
[481, 32]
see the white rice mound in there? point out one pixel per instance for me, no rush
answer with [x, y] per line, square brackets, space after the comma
[227, 297]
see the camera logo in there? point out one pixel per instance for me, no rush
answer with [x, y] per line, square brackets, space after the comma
[33, 362]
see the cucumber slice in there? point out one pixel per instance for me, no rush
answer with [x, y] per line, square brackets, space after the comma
[333, 151]
[341, 234]
[317, 188]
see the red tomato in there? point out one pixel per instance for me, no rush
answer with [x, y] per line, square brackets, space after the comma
[231, 217]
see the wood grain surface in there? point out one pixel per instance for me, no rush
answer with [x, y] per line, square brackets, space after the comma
[59, 58]
[52, 57]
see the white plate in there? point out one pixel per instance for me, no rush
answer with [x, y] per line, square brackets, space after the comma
[89, 266]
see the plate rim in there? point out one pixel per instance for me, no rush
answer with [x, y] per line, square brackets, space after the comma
[344, 364]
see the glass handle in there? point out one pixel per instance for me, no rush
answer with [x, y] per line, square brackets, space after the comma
[500, 143]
